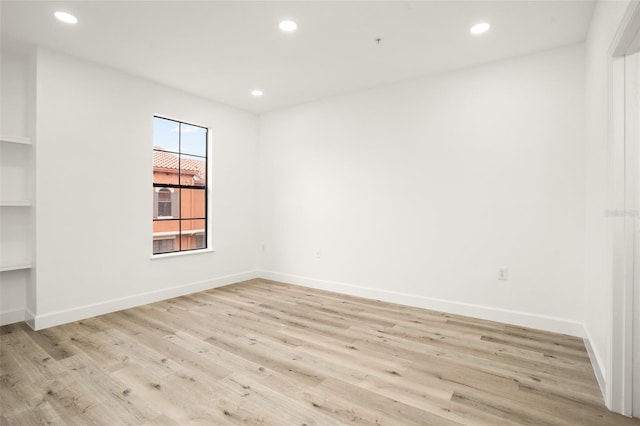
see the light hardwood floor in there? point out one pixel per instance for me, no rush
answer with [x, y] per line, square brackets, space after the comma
[266, 353]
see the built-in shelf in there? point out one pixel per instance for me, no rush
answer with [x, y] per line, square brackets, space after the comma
[15, 265]
[16, 139]
[15, 203]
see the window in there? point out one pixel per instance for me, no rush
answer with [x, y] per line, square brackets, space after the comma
[164, 202]
[200, 241]
[179, 186]
[163, 246]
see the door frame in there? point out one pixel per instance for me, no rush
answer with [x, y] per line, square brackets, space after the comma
[623, 165]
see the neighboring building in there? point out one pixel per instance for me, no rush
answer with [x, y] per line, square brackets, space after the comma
[178, 214]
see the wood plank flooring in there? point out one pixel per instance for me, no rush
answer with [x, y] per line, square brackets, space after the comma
[267, 353]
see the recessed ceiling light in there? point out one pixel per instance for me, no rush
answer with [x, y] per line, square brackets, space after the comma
[66, 17]
[480, 28]
[257, 93]
[288, 25]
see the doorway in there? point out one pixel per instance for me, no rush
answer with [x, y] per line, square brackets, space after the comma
[623, 387]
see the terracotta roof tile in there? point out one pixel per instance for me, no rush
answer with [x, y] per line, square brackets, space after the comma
[168, 160]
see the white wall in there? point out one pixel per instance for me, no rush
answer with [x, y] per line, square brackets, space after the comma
[418, 192]
[598, 244]
[94, 194]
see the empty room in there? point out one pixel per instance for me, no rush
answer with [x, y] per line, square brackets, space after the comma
[320, 212]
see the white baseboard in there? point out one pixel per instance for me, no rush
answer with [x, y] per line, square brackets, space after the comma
[29, 318]
[523, 319]
[12, 316]
[596, 364]
[52, 319]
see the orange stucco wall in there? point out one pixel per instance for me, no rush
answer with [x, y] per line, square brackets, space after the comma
[192, 205]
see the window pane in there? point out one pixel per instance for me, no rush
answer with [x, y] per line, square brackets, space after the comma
[166, 203]
[164, 195]
[193, 140]
[192, 203]
[190, 231]
[193, 170]
[164, 208]
[165, 167]
[166, 228]
[200, 242]
[166, 134]
[165, 245]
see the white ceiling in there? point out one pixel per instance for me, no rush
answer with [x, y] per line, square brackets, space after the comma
[223, 50]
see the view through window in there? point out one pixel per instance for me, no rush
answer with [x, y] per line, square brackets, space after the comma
[179, 186]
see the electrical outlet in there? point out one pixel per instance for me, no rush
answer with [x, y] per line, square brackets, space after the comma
[503, 273]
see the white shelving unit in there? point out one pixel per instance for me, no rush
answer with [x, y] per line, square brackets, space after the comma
[15, 210]
[15, 203]
[17, 180]
[15, 266]
[15, 139]
[16, 226]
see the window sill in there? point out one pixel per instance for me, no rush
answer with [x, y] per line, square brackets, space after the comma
[181, 253]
